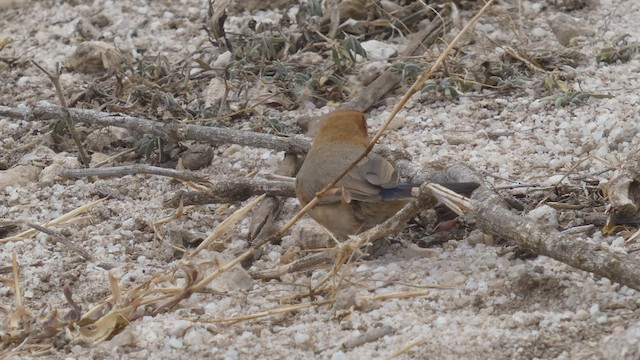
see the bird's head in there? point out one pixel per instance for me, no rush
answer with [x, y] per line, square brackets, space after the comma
[343, 126]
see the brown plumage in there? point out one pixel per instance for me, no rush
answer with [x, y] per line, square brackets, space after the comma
[363, 198]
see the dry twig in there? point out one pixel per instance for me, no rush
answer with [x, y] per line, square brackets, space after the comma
[85, 160]
[176, 132]
[133, 170]
[59, 238]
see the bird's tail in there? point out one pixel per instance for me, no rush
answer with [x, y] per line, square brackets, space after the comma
[403, 190]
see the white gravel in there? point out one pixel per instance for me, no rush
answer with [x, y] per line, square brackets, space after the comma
[488, 307]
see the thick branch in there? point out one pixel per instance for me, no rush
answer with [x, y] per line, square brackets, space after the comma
[493, 218]
[175, 131]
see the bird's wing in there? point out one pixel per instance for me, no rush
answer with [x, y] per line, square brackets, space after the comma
[376, 170]
[363, 183]
[366, 181]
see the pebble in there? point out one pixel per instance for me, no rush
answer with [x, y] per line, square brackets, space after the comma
[175, 343]
[339, 356]
[581, 315]
[231, 355]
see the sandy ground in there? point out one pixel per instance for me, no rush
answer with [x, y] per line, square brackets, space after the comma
[489, 306]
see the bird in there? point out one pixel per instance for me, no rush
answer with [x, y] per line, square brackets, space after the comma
[368, 194]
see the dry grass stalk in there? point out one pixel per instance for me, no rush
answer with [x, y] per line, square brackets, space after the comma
[406, 349]
[17, 291]
[293, 308]
[225, 225]
[58, 221]
[280, 310]
[17, 325]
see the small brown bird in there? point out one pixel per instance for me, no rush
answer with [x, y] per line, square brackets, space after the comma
[367, 196]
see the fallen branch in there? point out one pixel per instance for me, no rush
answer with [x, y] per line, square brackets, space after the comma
[297, 144]
[231, 191]
[493, 218]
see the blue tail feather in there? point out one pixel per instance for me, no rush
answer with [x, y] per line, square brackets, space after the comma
[403, 190]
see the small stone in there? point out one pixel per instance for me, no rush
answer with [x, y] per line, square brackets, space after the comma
[475, 237]
[544, 215]
[581, 315]
[345, 300]
[179, 327]
[175, 343]
[308, 234]
[234, 279]
[93, 57]
[197, 157]
[378, 50]
[223, 60]
[339, 356]
[60, 163]
[18, 176]
[231, 355]
[125, 338]
[301, 339]
[566, 27]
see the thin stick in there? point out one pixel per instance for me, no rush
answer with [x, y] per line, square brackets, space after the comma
[114, 157]
[59, 238]
[406, 348]
[282, 310]
[370, 336]
[16, 280]
[296, 144]
[71, 125]
[134, 170]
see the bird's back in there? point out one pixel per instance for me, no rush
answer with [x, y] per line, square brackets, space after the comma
[323, 165]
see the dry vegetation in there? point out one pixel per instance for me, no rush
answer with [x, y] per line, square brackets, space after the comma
[180, 113]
